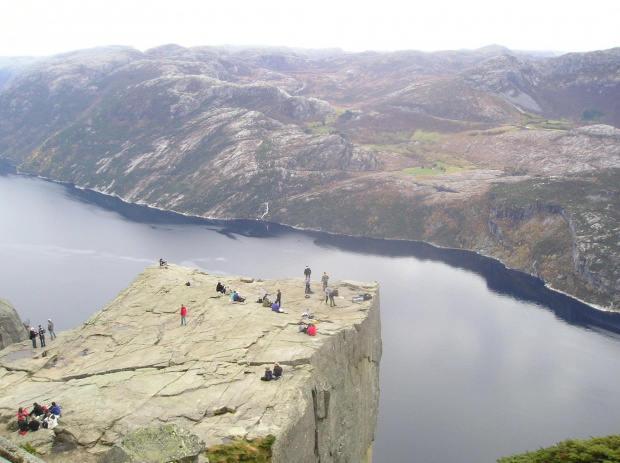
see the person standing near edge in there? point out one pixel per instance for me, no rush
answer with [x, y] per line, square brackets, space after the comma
[42, 335]
[50, 329]
[279, 299]
[183, 314]
[307, 272]
[324, 280]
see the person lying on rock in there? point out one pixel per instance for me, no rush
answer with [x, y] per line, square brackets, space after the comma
[277, 371]
[268, 375]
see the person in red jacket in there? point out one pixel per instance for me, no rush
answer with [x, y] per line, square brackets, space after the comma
[312, 330]
[183, 314]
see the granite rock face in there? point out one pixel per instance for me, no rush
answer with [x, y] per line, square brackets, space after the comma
[133, 365]
[11, 327]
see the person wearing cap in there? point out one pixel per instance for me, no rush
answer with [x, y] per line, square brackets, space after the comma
[307, 272]
[50, 329]
[33, 336]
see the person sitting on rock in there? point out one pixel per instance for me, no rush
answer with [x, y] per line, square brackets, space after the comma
[238, 298]
[277, 371]
[312, 330]
[268, 375]
[54, 409]
[34, 424]
[50, 421]
[162, 262]
[220, 288]
[276, 308]
[37, 410]
[22, 420]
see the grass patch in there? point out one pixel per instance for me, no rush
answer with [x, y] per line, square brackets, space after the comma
[537, 122]
[28, 447]
[257, 450]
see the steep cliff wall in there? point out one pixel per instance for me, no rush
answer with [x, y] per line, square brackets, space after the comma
[134, 365]
[11, 327]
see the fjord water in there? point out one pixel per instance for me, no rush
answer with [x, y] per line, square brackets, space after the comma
[478, 363]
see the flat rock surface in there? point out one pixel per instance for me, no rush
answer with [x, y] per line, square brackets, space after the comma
[133, 364]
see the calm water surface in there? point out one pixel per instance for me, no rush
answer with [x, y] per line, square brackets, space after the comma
[478, 362]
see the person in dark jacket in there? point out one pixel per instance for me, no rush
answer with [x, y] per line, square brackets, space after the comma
[33, 336]
[220, 288]
[268, 375]
[277, 371]
[34, 424]
[332, 294]
[279, 298]
[307, 272]
[42, 335]
[37, 410]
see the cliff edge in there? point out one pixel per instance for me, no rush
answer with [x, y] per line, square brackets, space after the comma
[11, 327]
[134, 365]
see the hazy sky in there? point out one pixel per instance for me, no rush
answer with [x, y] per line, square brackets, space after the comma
[44, 27]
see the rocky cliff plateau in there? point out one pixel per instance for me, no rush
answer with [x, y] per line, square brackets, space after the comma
[512, 155]
[132, 365]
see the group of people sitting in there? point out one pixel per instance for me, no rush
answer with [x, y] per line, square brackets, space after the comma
[40, 416]
[275, 375]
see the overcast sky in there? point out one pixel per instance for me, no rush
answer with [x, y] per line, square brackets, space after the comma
[45, 27]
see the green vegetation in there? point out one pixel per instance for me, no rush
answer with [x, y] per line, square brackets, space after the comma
[537, 122]
[257, 450]
[29, 448]
[595, 450]
[592, 115]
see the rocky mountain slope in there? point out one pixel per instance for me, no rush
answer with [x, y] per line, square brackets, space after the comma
[440, 147]
[133, 366]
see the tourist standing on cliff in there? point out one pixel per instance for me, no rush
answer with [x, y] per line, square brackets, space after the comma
[326, 291]
[50, 329]
[183, 314]
[279, 298]
[324, 280]
[332, 294]
[307, 272]
[33, 337]
[42, 335]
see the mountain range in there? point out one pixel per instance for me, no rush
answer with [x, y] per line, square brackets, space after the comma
[514, 155]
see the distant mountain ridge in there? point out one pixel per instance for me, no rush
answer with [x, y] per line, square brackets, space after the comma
[410, 145]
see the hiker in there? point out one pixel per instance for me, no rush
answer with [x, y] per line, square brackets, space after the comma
[34, 424]
[332, 294]
[183, 315]
[22, 421]
[37, 410]
[277, 371]
[307, 272]
[50, 421]
[326, 290]
[276, 308]
[42, 335]
[50, 329]
[308, 290]
[324, 280]
[22, 414]
[54, 409]
[33, 337]
[162, 262]
[268, 375]
[279, 298]
[220, 288]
